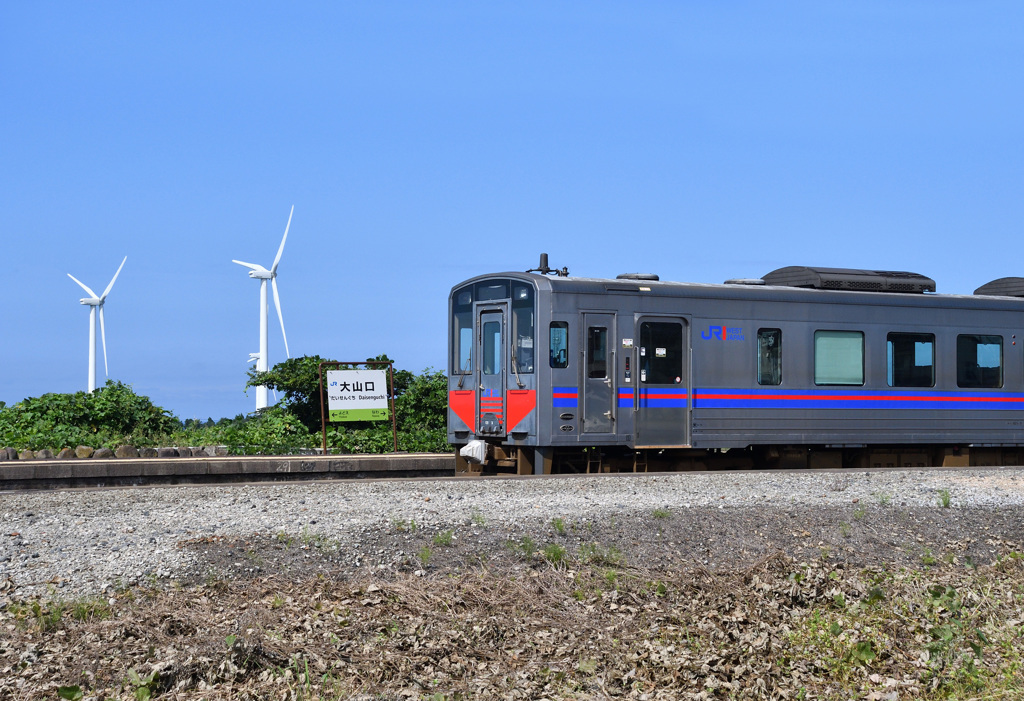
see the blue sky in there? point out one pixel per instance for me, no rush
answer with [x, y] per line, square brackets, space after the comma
[424, 143]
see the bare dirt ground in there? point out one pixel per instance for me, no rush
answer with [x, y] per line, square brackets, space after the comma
[868, 601]
[735, 538]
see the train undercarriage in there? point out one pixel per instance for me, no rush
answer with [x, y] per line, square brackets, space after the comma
[528, 460]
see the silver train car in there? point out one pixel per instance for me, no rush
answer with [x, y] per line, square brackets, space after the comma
[805, 367]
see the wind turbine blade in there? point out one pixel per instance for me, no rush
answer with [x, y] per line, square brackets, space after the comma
[82, 285]
[280, 249]
[103, 337]
[107, 291]
[280, 317]
[253, 266]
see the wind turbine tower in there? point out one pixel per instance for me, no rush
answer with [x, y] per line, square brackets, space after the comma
[95, 302]
[258, 272]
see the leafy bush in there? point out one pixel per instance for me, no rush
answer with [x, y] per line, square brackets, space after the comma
[272, 431]
[275, 431]
[422, 412]
[110, 416]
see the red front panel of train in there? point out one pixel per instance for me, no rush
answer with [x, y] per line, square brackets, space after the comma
[511, 410]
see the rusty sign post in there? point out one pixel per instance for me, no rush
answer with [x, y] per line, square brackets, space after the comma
[362, 402]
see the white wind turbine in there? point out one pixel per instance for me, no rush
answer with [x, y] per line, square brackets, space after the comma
[94, 303]
[260, 273]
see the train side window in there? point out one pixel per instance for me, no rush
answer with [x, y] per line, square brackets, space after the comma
[911, 359]
[559, 344]
[522, 329]
[838, 358]
[465, 350]
[979, 361]
[769, 357]
[597, 352]
[462, 343]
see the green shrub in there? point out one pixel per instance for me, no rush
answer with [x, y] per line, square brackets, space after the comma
[110, 416]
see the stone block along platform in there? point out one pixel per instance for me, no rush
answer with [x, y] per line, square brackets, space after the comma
[45, 474]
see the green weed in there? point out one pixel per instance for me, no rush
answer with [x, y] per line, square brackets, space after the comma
[593, 553]
[45, 618]
[525, 548]
[142, 687]
[90, 610]
[444, 538]
[554, 553]
[659, 589]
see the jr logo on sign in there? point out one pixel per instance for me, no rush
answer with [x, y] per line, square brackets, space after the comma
[723, 333]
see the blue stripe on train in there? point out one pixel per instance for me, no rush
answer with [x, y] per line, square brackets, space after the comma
[672, 398]
[565, 397]
[761, 398]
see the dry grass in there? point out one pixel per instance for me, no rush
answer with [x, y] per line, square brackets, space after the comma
[779, 629]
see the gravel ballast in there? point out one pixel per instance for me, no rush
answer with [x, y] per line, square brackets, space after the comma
[68, 544]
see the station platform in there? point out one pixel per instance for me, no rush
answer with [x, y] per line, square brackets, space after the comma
[47, 474]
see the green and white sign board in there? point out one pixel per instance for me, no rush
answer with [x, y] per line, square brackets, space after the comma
[357, 395]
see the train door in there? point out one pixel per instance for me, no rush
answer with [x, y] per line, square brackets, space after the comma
[598, 373]
[661, 401]
[490, 370]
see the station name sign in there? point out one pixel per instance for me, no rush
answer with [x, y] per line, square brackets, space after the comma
[357, 395]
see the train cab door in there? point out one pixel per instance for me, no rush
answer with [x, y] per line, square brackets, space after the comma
[490, 370]
[598, 373]
[661, 400]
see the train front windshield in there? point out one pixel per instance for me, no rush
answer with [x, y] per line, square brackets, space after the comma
[496, 296]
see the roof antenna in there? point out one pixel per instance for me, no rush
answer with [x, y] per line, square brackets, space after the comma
[543, 268]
